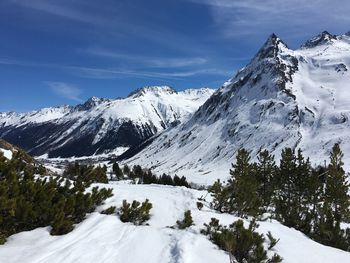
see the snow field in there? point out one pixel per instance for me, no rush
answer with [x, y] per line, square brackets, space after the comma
[104, 238]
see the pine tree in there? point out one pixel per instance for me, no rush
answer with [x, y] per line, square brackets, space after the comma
[286, 209]
[117, 171]
[137, 171]
[166, 180]
[337, 187]
[266, 173]
[148, 178]
[243, 186]
[183, 182]
[177, 180]
[220, 196]
[303, 184]
[126, 170]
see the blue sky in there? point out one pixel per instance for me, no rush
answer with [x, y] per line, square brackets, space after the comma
[55, 52]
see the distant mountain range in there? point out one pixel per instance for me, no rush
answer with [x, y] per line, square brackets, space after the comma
[282, 98]
[101, 125]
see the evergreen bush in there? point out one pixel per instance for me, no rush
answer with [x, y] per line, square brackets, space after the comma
[109, 211]
[199, 205]
[186, 222]
[28, 201]
[242, 244]
[135, 212]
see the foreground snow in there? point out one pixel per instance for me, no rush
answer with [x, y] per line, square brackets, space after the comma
[104, 238]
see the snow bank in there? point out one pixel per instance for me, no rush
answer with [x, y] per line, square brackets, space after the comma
[104, 238]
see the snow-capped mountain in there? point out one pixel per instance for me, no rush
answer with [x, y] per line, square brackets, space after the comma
[282, 98]
[101, 125]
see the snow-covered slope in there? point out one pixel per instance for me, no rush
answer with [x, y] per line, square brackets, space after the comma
[100, 125]
[104, 238]
[296, 98]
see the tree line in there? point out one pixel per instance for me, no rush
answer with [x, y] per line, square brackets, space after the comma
[145, 176]
[314, 200]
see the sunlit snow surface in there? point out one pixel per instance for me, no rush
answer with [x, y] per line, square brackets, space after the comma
[104, 238]
[7, 153]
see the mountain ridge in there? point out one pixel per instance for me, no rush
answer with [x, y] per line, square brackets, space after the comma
[99, 125]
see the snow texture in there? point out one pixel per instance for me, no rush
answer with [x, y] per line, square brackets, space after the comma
[7, 153]
[104, 238]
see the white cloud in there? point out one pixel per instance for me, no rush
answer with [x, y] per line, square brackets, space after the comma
[187, 67]
[149, 61]
[65, 90]
[297, 18]
[106, 73]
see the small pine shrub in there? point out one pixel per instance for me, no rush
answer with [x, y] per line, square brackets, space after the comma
[136, 212]
[242, 244]
[110, 210]
[98, 196]
[199, 205]
[186, 222]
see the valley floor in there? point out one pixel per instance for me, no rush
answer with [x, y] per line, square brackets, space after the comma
[104, 238]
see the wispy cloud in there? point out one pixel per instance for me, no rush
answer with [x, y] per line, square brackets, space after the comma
[112, 73]
[106, 73]
[64, 9]
[297, 17]
[154, 62]
[113, 22]
[65, 90]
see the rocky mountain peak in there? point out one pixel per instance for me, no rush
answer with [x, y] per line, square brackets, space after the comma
[321, 39]
[271, 47]
[90, 103]
[152, 89]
